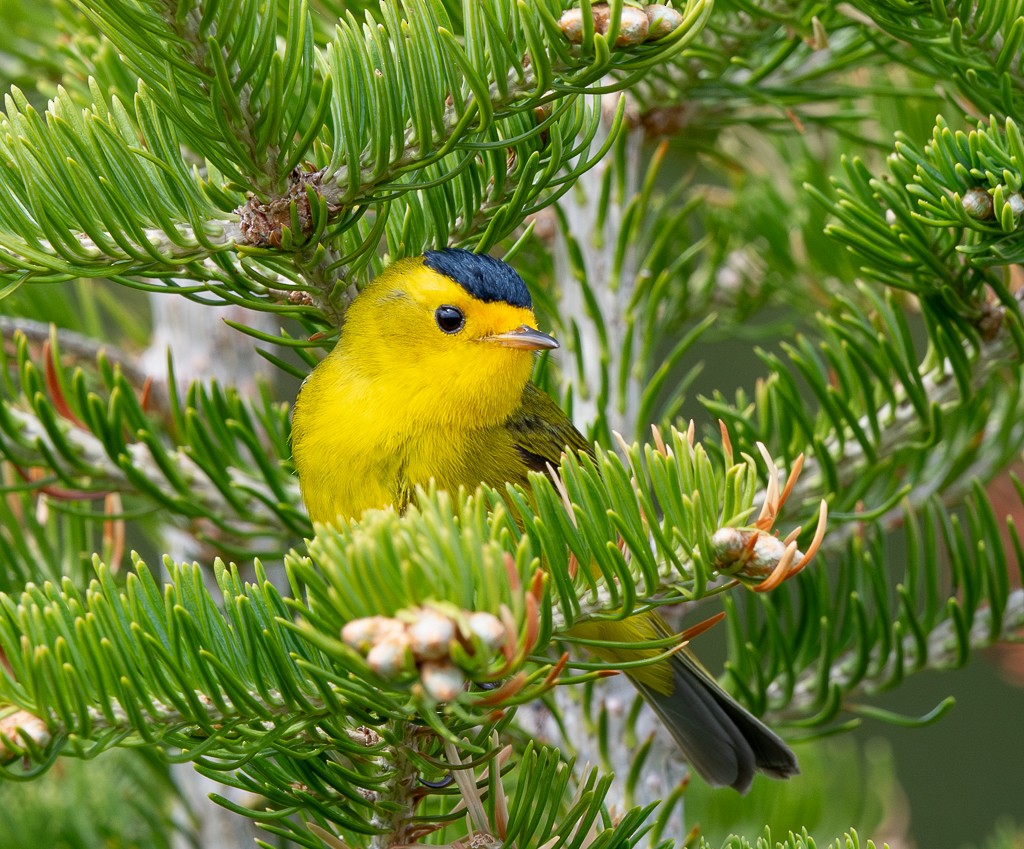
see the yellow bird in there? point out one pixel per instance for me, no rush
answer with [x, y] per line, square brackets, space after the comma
[430, 380]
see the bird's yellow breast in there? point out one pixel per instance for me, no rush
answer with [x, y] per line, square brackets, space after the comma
[356, 447]
[340, 456]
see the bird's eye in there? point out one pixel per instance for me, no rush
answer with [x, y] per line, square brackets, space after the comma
[449, 319]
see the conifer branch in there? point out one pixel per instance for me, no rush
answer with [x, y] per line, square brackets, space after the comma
[946, 647]
[299, 228]
[223, 483]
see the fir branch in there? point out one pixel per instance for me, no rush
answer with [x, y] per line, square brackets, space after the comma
[846, 677]
[222, 78]
[521, 89]
[912, 233]
[947, 648]
[914, 227]
[845, 631]
[84, 350]
[225, 475]
[933, 405]
[976, 49]
[104, 192]
[464, 138]
[769, 69]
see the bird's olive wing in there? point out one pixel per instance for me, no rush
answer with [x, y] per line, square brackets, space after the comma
[541, 432]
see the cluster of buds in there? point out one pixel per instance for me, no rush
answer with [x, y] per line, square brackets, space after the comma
[425, 641]
[757, 556]
[636, 25]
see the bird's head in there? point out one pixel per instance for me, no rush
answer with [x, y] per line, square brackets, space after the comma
[451, 333]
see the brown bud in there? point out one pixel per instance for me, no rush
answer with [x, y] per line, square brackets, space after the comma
[430, 635]
[442, 681]
[662, 20]
[390, 657]
[977, 203]
[17, 726]
[488, 629]
[361, 634]
[633, 25]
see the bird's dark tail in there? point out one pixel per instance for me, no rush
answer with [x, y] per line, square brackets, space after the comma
[722, 740]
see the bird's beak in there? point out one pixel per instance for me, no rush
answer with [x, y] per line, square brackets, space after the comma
[524, 337]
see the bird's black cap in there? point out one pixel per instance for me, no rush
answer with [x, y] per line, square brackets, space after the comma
[483, 276]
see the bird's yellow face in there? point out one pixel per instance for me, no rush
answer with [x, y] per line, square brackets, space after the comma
[450, 345]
